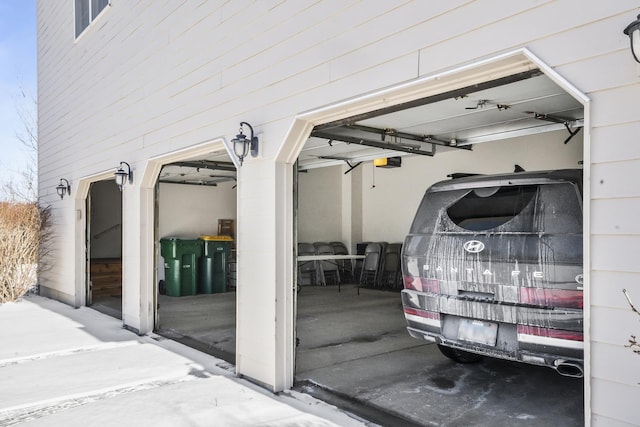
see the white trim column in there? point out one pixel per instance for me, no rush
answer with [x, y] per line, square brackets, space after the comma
[256, 279]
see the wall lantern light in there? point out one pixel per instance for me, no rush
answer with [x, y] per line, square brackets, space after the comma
[123, 176]
[633, 31]
[63, 188]
[242, 146]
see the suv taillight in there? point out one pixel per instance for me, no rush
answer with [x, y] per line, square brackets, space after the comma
[422, 313]
[421, 284]
[550, 333]
[564, 298]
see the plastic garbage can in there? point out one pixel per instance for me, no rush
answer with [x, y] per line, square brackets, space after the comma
[216, 251]
[180, 265]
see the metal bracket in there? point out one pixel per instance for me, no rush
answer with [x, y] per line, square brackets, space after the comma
[557, 119]
[344, 159]
[351, 167]
[571, 133]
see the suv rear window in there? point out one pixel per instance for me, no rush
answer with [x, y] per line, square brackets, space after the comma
[548, 208]
[486, 208]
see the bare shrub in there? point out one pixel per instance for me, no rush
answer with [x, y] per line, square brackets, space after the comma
[24, 236]
[25, 232]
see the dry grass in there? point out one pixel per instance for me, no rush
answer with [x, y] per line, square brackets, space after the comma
[24, 237]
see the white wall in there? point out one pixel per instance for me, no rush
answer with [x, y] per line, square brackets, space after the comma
[389, 207]
[106, 220]
[320, 205]
[190, 211]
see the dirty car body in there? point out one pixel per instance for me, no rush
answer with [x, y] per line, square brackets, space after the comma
[493, 266]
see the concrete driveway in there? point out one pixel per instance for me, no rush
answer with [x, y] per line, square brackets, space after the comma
[61, 366]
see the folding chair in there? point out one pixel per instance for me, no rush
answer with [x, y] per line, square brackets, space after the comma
[370, 265]
[391, 265]
[328, 269]
[345, 265]
[306, 269]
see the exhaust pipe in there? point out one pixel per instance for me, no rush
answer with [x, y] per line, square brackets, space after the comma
[569, 369]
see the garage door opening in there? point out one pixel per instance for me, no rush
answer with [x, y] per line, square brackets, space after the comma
[196, 254]
[104, 248]
[360, 181]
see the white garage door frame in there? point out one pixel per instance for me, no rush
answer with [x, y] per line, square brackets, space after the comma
[80, 270]
[492, 68]
[140, 309]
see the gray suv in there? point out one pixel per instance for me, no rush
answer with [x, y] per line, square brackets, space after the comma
[492, 266]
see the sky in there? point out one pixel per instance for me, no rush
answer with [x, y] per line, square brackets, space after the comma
[17, 70]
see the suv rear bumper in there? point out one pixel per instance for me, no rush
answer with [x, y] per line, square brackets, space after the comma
[437, 318]
[567, 366]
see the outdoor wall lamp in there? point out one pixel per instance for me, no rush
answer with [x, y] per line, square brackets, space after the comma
[242, 146]
[123, 176]
[63, 188]
[633, 31]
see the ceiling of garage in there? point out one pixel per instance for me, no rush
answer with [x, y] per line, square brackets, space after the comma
[525, 104]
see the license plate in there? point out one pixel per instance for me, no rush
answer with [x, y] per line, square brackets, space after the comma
[477, 331]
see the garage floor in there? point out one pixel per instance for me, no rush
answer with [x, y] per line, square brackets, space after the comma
[109, 305]
[354, 352]
[206, 322]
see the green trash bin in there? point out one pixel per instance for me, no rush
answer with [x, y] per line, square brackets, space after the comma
[180, 265]
[213, 264]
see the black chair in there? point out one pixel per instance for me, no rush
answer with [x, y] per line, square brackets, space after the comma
[391, 266]
[383, 249]
[328, 270]
[345, 265]
[318, 244]
[357, 269]
[370, 265]
[306, 269]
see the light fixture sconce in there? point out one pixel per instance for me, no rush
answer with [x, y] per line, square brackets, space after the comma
[123, 176]
[633, 31]
[242, 146]
[63, 188]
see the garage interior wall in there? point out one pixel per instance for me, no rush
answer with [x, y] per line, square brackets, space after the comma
[389, 207]
[398, 191]
[190, 211]
[106, 220]
[320, 204]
